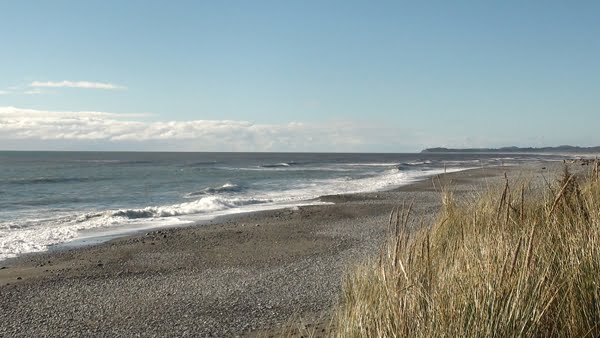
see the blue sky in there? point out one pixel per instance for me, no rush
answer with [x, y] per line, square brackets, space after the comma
[298, 75]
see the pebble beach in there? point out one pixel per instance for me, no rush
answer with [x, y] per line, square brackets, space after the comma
[242, 275]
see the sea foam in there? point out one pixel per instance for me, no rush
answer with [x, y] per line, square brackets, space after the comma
[203, 205]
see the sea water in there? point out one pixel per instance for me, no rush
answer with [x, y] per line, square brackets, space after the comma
[49, 198]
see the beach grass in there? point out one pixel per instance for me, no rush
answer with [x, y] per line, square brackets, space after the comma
[509, 261]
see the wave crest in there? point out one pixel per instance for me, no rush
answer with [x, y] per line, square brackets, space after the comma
[227, 187]
[279, 165]
[203, 205]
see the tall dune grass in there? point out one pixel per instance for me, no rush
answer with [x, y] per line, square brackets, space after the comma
[510, 262]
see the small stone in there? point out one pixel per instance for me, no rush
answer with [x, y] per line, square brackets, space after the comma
[19, 278]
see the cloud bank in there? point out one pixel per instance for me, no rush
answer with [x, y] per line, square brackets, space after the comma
[39, 129]
[76, 84]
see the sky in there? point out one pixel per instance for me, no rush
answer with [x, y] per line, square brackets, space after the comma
[316, 76]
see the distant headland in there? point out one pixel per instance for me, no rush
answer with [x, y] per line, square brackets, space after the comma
[558, 149]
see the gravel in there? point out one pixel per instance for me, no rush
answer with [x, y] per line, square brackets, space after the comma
[230, 278]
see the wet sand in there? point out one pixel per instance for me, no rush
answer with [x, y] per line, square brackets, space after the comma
[241, 275]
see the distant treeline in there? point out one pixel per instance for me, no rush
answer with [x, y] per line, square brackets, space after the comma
[559, 149]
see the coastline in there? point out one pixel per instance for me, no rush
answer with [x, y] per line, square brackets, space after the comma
[89, 237]
[240, 274]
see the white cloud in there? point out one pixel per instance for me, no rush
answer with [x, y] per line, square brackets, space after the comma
[73, 130]
[76, 84]
[3, 92]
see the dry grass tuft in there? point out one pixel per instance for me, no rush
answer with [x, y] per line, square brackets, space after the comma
[512, 262]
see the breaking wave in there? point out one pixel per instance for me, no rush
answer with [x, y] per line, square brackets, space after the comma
[279, 165]
[227, 187]
[203, 205]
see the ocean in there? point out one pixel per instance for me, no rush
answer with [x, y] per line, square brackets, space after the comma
[52, 198]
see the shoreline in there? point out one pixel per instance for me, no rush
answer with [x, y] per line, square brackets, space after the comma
[244, 274]
[99, 236]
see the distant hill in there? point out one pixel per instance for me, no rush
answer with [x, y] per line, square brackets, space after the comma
[559, 149]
